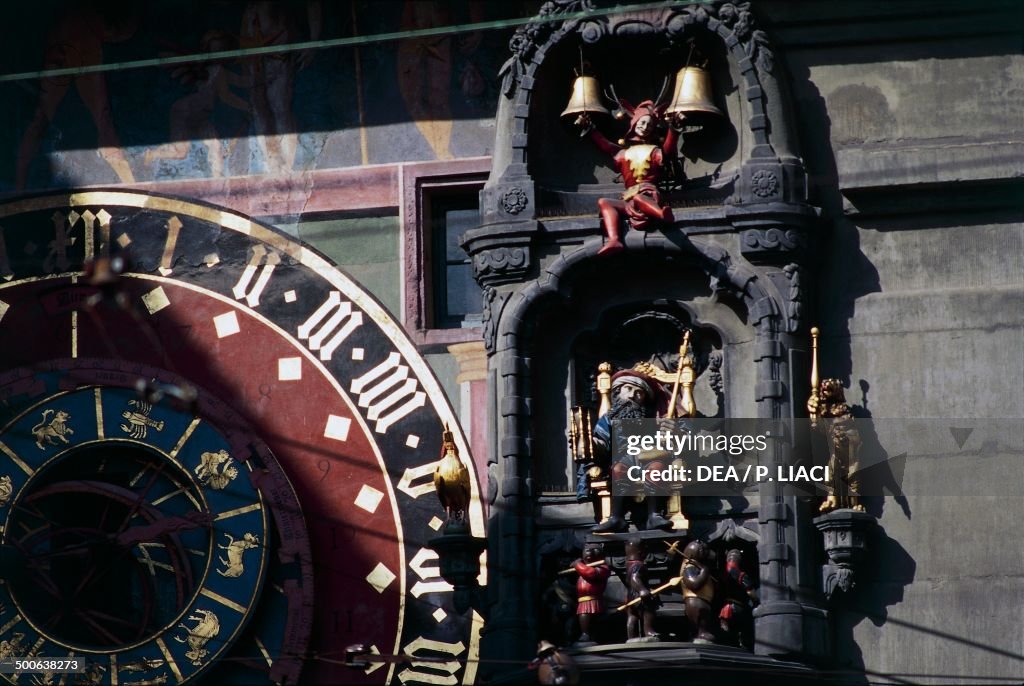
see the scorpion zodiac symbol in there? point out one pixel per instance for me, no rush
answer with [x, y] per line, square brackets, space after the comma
[139, 421]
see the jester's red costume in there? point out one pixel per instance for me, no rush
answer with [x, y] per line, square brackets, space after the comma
[590, 587]
[640, 162]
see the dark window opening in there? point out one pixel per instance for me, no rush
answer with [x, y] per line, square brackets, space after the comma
[456, 297]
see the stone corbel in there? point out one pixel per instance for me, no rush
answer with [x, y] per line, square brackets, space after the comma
[501, 264]
[846, 534]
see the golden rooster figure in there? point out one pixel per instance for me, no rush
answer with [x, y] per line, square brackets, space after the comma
[451, 481]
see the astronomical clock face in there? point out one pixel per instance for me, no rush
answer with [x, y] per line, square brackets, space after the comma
[216, 466]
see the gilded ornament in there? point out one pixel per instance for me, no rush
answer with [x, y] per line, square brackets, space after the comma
[52, 428]
[206, 627]
[233, 566]
[216, 470]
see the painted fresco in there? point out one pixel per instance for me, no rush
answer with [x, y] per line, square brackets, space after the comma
[412, 99]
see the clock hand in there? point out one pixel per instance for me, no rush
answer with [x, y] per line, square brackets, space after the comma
[161, 527]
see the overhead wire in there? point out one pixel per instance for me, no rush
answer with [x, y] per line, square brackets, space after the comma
[350, 41]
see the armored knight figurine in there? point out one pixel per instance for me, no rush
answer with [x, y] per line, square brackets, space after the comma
[554, 668]
[641, 157]
[735, 617]
[699, 590]
[640, 622]
[831, 415]
[590, 588]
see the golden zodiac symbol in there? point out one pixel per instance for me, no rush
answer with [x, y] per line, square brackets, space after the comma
[207, 627]
[143, 665]
[93, 675]
[52, 430]
[215, 469]
[233, 565]
[155, 681]
[6, 489]
[13, 647]
[139, 420]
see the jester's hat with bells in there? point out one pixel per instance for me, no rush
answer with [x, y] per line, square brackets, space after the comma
[647, 108]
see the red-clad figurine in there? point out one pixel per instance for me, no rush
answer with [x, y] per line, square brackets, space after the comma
[740, 595]
[590, 588]
[641, 159]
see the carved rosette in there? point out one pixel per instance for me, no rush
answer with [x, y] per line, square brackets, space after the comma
[846, 534]
[514, 200]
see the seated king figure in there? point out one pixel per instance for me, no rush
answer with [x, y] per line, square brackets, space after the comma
[634, 396]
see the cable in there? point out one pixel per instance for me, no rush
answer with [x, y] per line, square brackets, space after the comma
[352, 41]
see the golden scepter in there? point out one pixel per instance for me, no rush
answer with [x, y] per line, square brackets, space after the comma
[679, 375]
[815, 381]
[573, 446]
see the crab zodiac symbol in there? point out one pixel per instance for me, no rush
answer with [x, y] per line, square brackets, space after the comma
[139, 420]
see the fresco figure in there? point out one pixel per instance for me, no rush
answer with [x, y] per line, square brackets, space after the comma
[77, 40]
[425, 70]
[191, 119]
[272, 77]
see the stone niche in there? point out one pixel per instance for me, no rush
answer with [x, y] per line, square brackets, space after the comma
[571, 173]
[731, 267]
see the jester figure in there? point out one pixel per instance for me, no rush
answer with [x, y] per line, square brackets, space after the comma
[641, 160]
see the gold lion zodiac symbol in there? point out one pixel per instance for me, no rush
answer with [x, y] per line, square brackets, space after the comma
[139, 421]
[6, 489]
[52, 430]
[207, 627]
[233, 565]
[216, 469]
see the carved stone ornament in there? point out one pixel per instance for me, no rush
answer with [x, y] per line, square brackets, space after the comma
[526, 39]
[755, 240]
[494, 303]
[500, 264]
[796, 295]
[845, 535]
[514, 200]
[764, 183]
[733, 22]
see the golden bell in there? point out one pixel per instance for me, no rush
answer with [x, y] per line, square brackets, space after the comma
[586, 98]
[693, 96]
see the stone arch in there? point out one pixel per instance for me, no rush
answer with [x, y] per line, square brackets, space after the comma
[748, 46]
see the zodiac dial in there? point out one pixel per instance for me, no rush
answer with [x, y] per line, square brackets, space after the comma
[216, 454]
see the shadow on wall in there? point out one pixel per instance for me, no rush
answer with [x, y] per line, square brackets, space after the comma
[844, 273]
[890, 569]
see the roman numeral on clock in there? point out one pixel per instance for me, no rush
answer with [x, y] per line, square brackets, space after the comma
[388, 392]
[331, 324]
[262, 261]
